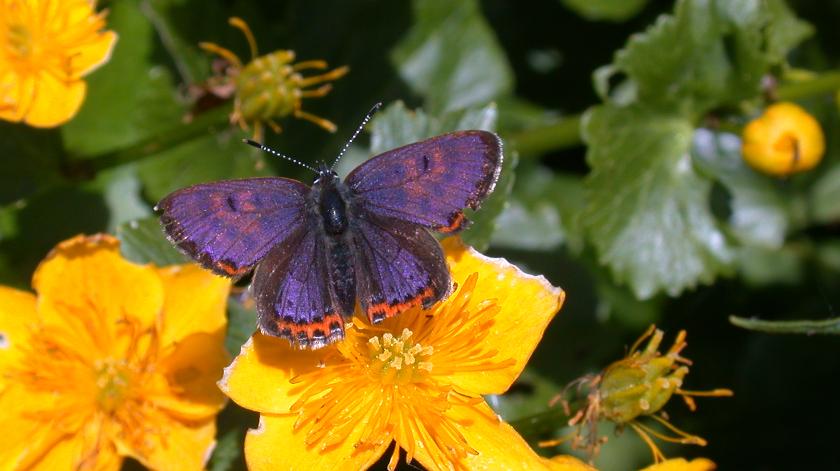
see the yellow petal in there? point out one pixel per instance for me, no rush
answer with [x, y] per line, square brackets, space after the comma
[16, 93]
[680, 464]
[527, 305]
[190, 373]
[274, 446]
[178, 446]
[55, 100]
[499, 446]
[31, 437]
[86, 450]
[258, 379]
[92, 54]
[195, 300]
[567, 463]
[17, 311]
[87, 276]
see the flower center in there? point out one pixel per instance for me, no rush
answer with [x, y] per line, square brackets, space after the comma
[113, 378]
[398, 360]
[20, 41]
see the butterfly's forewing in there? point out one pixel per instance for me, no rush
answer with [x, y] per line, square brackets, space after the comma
[430, 182]
[228, 226]
[294, 294]
[398, 265]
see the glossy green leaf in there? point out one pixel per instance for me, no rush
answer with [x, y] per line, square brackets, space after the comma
[706, 54]
[451, 56]
[542, 212]
[825, 196]
[209, 158]
[648, 210]
[143, 241]
[758, 209]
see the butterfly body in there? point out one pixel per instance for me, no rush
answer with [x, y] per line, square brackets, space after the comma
[318, 251]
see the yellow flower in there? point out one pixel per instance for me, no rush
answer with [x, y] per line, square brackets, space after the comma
[416, 379]
[109, 360]
[46, 47]
[268, 87]
[784, 140]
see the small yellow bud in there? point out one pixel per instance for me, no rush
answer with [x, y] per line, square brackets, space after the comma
[784, 140]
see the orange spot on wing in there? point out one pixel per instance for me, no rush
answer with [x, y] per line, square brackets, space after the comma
[389, 310]
[455, 224]
[230, 269]
[318, 334]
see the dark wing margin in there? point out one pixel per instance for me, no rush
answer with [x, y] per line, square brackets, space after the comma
[293, 294]
[431, 182]
[398, 265]
[228, 226]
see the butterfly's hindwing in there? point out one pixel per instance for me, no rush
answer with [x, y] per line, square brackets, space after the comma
[293, 293]
[228, 226]
[430, 182]
[398, 265]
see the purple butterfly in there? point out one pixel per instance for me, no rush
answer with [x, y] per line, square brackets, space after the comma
[318, 250]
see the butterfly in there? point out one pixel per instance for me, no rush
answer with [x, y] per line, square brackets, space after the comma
[317, 251]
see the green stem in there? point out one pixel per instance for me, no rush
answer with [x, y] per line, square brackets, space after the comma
[827, 82]
[827, 326]
[565, 133]
[558, 135]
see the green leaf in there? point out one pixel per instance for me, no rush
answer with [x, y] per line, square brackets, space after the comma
[758, 210]
[451, 56]
[121, 189]
[228, 450]
[825, 196]
[31, 160]
[129, 98]
[242, 323]
[827, 326]
[209, 158]
[610, 10]
[397, 126]
[542, 212]
[648, 214]
[143, 241]
[706, 54]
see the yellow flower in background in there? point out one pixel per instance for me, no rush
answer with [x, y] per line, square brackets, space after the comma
[109, 360]
[783, 141]
[46, 47]
[268, 87]
[416, 379]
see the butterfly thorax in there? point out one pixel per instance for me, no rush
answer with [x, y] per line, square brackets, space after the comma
[328, 195]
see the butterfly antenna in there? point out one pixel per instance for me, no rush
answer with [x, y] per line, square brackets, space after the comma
[361, 126]
[262, 147]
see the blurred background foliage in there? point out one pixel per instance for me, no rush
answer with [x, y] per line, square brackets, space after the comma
[623, 180]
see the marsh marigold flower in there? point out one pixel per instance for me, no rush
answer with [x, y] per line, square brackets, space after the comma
[784, 140]
[268, 87]
[416, 379]
[109, 360]
[46, 47]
